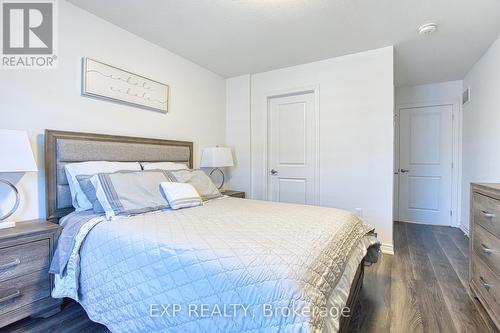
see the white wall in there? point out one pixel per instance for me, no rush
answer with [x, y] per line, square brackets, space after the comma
[433, 92]
[35, 100]
[356, 131]
[238, 132]
[449, 92]
[481, 125]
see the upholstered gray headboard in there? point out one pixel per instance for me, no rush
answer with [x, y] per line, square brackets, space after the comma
[62, 148]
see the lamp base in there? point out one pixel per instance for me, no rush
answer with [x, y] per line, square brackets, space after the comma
[223, 178]
[16, 204]
[7, 224]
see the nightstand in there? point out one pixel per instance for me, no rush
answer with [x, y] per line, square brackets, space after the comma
[25, 283]
[234, 194]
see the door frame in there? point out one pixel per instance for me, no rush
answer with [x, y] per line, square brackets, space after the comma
[456, 182]
[314, 89]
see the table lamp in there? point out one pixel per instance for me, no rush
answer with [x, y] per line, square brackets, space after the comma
[217, 158]
[15, 156]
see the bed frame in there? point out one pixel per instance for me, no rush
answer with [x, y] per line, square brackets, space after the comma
[353, 299]
[62, 148]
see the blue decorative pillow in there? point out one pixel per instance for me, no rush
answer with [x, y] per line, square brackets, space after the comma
[89, 191]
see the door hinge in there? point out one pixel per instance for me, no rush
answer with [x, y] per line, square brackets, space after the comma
[452, 165]
[451, 213]
[453, 117]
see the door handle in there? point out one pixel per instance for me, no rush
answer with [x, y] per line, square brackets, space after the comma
[404, 170]
[274, 172]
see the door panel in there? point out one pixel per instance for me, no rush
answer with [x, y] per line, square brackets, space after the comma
[292, 133]
[425, 152]
[292, 149]
[423, 193]
[292, 190]
[425, 130]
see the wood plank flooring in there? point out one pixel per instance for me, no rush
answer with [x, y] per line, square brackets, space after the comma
[72, 319]
[423, 288]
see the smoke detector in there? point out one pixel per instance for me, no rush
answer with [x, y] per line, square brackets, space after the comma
[428, 29]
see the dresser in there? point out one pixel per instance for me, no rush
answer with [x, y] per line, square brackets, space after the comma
[484, 264]
[25, 283]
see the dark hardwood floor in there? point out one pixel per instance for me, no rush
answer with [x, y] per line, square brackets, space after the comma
[422, 288]
[72, 319]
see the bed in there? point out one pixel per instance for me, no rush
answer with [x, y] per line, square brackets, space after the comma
[231, 265]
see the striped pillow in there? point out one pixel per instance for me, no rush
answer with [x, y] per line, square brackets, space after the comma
[181, 195]
[130, 192]
[201, 182]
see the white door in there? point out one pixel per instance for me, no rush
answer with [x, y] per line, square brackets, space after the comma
[292, 149]
[425, 164]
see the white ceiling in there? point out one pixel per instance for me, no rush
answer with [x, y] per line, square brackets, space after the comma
[234, 37]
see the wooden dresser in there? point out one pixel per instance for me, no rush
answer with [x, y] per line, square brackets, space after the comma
[25, 284]
[484, 265]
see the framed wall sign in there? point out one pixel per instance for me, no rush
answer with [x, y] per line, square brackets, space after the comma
[112, 83]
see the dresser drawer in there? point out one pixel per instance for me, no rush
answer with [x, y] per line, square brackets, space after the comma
[486, 212]
[487, 247]
[486, 283]
[23, 290]
[24, 258]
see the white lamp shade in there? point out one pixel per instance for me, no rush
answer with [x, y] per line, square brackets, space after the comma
[216, 157]
[15, 152]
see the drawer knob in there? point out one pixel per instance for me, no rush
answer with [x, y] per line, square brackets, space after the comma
[485, 284]
[487, 214]
[11, 264]
[13, 295]
[486, 250]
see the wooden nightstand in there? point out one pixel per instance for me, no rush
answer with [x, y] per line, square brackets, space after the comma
[25, 283]
[234, 194]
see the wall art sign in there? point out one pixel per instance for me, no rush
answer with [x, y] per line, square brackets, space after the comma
[112, 83]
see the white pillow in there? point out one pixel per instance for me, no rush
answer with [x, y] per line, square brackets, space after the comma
[180, 195]
[78, 197]
[163, 166]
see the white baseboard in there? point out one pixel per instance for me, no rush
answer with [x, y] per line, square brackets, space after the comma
[431, 224]
[465, 229]
[387, 248]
